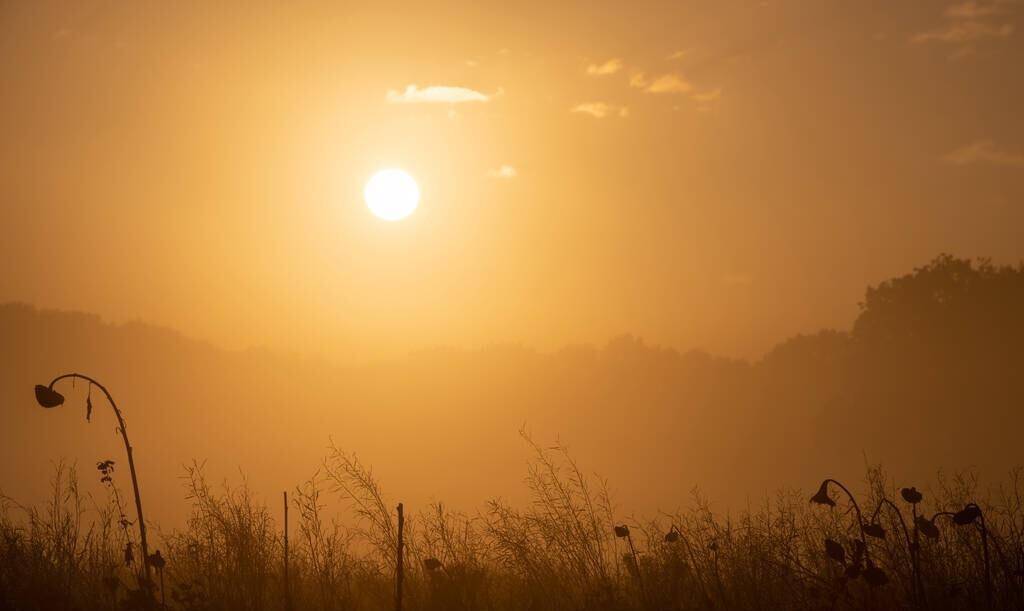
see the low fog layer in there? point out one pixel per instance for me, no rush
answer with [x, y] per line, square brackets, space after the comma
[926, 378]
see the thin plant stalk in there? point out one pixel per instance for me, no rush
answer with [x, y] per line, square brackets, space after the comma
[287, 585]
[399, 559]
[911, 544]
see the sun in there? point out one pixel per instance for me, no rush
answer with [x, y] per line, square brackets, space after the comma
[391, 194]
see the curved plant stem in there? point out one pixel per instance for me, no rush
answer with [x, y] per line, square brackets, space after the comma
[131, 463]
[911, 544]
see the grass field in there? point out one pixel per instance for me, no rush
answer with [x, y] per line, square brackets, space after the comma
[567, 549]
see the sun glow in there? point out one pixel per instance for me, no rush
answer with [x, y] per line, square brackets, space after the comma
[391, 194]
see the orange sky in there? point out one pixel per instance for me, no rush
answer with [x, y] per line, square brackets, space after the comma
[705, 174]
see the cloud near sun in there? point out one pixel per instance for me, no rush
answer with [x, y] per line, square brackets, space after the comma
[984, 152]
[435, 95]
[600, 110]
[609, 67]
[969, 23]
[668, 83]
[505, 172]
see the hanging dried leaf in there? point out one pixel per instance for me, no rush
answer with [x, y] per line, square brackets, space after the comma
[129, 555]
[622, 531]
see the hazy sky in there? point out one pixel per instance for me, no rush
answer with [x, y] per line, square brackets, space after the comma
[713, 174]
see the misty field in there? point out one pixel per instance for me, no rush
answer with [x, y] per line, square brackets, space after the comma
[930, 370]
[947, 547]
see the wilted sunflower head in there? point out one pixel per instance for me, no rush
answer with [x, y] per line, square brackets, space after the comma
[821, 497]
[48, 397]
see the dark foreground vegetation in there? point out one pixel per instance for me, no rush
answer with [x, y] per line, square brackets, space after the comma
[949, 547]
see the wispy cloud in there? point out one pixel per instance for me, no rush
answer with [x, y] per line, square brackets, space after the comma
[984, 152]
[972, 10]
[706, 97]
[600, 110]
[435, 95]
[611, 66]
[964, 32]
[966, 23]
[677, 55]
[667, 83]
[504, 171]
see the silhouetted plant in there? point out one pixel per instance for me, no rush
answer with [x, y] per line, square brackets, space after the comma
[911, 495]
[156, 560]
[821, 497]
[432, 564]
[860, 564]
[874, 529]
[920, 525]
[835, 551]
[971, 514]
[631, 559]
[926, 527]
[672, 535]
[48, 398]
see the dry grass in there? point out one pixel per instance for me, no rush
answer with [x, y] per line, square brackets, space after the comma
[559, 552]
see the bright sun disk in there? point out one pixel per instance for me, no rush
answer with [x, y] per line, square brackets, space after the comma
[391, 194]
